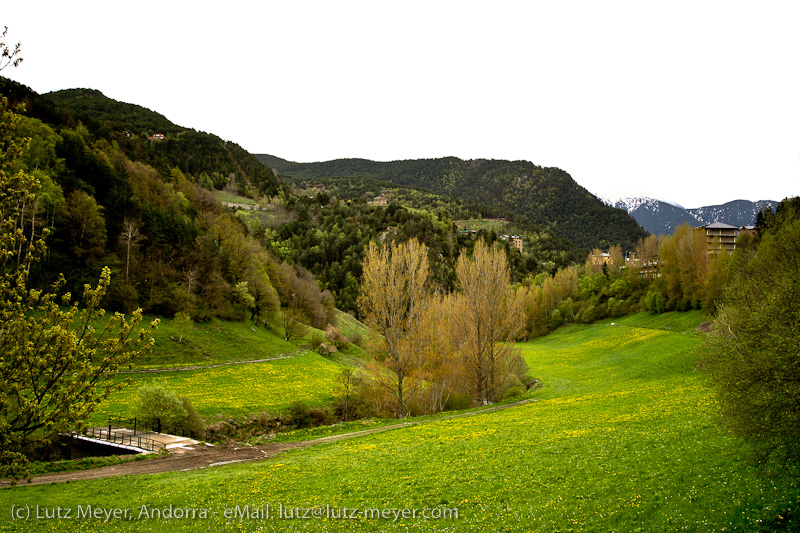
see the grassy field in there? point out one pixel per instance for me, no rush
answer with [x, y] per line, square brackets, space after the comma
[624, 437]
[478, 224]
[211, 342]
[235, 390]
[223, 196]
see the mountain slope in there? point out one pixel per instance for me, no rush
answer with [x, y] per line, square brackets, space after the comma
[547, 197]
[191, 151]
[95, 107]
[736, 213]
[661, 217]
[656, 216]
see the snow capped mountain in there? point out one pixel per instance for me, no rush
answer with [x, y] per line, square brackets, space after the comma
[736, 213]
[657, 216]
[632, 203]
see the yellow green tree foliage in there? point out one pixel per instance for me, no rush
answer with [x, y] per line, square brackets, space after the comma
[437, 345]
[55, 366]
[754, 342]
[393, 298]
[488, 314]
[693, 277]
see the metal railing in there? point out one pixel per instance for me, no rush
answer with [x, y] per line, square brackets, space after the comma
[126, 439]
[157, 427]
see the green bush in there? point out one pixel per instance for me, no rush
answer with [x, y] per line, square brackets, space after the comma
[300, 414]
[317, 339]
[513, 392]
[156, 402]
[357, 339]
[192, 420]
[458, 401]
[655, 302]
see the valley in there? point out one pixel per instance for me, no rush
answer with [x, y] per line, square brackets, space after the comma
[623, 435]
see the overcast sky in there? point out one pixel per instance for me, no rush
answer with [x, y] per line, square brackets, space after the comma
[692, 102]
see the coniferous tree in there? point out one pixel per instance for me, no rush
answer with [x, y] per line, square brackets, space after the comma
[54, 366]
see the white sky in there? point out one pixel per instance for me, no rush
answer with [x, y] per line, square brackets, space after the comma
[695, 102]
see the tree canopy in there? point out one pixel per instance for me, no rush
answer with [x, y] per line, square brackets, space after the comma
[754, 356]
[57, 358]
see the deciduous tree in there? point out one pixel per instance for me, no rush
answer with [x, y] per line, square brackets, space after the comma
[128, 239]
[754, 355]
[86, 228]
[487, 317]
[55, 367]
[393, 295]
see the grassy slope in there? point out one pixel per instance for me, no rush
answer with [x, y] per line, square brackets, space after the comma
[211, 342]
[223, 196]
[624, 437]
[235, 390]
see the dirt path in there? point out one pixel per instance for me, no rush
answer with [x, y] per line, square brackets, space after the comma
[204, 456]
[215, 365]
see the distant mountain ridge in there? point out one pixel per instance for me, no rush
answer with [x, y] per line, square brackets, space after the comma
[547, 197]
[659, 217]
[736, 212]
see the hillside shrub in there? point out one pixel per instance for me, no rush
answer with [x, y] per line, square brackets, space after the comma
[514, 392]
[317, 339]
[335, 336]
[458, 401]
[156, 402]
[300, 414]
[357, 339]
[192, 420]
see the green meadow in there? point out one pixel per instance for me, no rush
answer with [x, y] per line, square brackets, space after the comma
[624, 436]
[236, 390]
[211, 342]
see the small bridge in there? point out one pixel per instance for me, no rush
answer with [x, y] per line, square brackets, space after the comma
[122, 438]
[131, 440]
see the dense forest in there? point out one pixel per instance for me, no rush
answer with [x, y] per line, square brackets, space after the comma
[545, 197]
[191, 223]
[115, 193]
[147, 208]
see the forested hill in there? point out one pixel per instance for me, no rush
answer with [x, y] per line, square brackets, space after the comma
[190, 223]
[546, 197]
[214, 162]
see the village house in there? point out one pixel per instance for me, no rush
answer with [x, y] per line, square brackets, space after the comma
[600, 259]
[516, 240]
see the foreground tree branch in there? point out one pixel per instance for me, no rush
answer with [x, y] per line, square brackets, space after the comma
[56, 365]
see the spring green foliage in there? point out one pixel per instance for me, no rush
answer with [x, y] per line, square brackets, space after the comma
[112, 195]
[156, 402]
[624, 436]
[541, 244]
[193, 152]
[547, 197]
[55, 366]
[754, 346]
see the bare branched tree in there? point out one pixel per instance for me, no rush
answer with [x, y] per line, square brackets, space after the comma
[393, 295]
[487, 316]
[9, 56]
